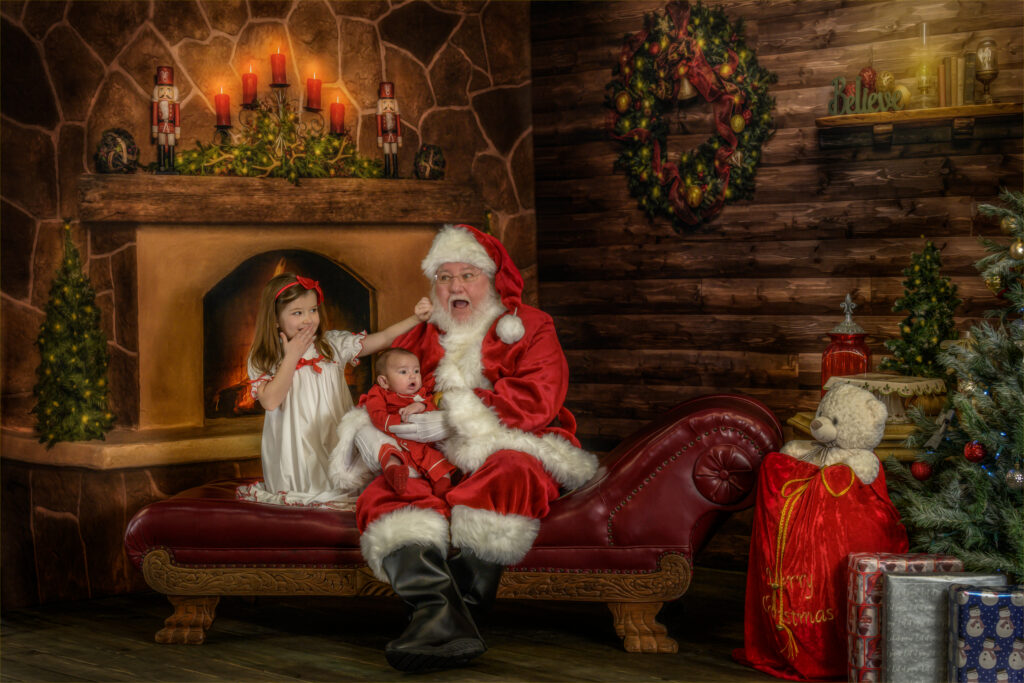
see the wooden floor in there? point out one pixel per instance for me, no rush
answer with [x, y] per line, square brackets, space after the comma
[328, 639]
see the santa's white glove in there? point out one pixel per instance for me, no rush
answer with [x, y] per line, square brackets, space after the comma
[423, 427]
[368, 441]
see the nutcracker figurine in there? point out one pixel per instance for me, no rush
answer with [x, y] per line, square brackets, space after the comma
[389, 128]
[166, 118]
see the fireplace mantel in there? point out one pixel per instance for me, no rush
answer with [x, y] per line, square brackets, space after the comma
[188, 233]
[145, 198]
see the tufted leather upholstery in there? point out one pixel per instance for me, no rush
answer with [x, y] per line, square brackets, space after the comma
[662, 490]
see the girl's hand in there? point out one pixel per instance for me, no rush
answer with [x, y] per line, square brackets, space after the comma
[423, 309]
[297, 345]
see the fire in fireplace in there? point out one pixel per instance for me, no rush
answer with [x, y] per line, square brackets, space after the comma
[229, 322]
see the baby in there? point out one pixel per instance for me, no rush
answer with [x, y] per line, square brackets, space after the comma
[398, 394]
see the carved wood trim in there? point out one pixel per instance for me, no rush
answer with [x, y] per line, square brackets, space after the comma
[637, 625]
[192, 617]
[163, 575]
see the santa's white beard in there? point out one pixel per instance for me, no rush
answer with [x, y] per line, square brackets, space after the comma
[474, 326]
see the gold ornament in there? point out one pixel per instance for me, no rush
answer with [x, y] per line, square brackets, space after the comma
[737, 123]
[885, 82]
[725, 70]
[1017, 250]
[994, 284]
[623, 102]
[694, 196]
[1009, 224]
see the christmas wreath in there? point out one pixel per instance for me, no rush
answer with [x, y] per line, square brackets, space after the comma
[681, 48]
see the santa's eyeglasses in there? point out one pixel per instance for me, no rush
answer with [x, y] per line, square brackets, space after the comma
[467, 277]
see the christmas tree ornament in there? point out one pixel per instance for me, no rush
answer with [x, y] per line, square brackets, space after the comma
[921, 470]
[885, 82]
[685, 50]
[867, 78]
[430, 163]
[1009, 225]
[974, 452]
[1015, 479]
[694, 196]
[1017, 250]
[116, 152]
[994, 283]
[623, 102]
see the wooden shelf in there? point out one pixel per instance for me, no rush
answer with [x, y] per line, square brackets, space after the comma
[938, 124]
[147, 198]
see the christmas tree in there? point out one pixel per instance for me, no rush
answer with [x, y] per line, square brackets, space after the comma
[963, 496]
[71, 394]
[930, 300]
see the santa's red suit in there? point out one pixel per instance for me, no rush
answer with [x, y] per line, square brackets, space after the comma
[383, 405]
[503, 381]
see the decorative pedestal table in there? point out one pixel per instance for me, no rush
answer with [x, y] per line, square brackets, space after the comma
[892, 389]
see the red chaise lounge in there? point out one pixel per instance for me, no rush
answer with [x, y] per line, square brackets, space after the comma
[627, 538]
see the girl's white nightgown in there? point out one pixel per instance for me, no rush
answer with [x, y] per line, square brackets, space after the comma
[299, 435]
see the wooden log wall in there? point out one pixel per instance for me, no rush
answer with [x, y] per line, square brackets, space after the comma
[649, 317]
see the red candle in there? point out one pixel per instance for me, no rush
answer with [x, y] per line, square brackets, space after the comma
[222, 104]
[313, 92]
[337, 117]
[277, 73]
[248, 87]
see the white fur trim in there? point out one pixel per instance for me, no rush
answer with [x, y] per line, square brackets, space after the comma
[406, 526]
[492, 536]
[456, 245]
[510, 329]
[346, 469]
[478, 433]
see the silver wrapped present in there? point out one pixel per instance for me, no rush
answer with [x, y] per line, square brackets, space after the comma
[915, 623]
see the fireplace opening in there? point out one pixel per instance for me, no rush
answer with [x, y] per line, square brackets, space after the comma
[229, 323]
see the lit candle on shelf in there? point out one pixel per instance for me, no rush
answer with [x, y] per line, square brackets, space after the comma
[277, 72]
[337, 117]
[249, 88]
[313, 92]
[222, 103]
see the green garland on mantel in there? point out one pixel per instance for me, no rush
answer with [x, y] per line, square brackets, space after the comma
[274, 142]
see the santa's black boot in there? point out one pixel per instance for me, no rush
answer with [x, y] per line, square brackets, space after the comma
[441, 634]
[477, 580]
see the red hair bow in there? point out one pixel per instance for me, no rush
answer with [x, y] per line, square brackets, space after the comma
[306, 283]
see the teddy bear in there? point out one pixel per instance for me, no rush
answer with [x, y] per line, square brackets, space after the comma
[817, 502]
[847, 428]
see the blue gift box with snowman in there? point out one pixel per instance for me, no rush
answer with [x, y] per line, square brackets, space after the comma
[986, 634]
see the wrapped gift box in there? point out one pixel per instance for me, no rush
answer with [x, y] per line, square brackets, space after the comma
[986, 634]
[864, 603]
[915, 623]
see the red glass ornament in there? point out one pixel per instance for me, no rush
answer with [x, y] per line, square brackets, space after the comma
[974, 452]
[921, 470]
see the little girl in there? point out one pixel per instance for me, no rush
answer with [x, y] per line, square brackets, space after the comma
[297, 373]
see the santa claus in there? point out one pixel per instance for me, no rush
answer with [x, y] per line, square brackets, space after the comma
[501, 378]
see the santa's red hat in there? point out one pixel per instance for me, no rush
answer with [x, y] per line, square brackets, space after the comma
[466, 244]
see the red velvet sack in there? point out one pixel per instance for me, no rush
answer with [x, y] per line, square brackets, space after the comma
[806, 522]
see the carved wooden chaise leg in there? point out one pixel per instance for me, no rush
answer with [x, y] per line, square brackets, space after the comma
[192, 616]
[636, 624]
